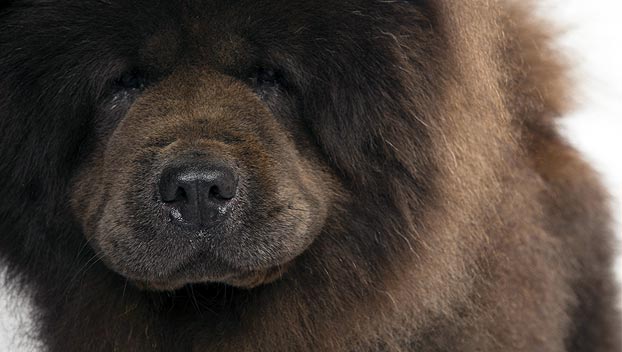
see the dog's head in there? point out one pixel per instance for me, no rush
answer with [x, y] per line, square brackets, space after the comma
[214, 140]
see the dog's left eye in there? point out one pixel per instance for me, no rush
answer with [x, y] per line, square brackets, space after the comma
[266, 77]
[132, 80]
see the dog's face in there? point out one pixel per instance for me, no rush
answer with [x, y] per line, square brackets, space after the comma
[202, 179]
[225, 135]
[203, 168]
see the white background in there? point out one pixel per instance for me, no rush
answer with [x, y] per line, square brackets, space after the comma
[593, 37]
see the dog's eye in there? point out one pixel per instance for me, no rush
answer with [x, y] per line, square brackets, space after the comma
[132, 80]
[265, 77]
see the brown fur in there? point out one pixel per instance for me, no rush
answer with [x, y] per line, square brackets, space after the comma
[404, 186]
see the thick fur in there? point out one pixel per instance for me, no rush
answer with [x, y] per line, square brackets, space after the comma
[452, 216]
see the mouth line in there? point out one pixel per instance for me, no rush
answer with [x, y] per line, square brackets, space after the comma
[241, 278]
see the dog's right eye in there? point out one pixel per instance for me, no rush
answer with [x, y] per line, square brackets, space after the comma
[266, 78]
[263, 78]
[132, 80]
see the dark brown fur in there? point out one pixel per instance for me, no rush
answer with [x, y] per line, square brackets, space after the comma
[405, 185]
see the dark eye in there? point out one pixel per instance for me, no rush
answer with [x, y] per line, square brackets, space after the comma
[266, 77]
[132, 80]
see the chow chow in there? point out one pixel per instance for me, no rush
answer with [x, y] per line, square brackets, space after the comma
[287, 175]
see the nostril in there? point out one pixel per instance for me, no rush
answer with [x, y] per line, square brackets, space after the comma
[171, 190]
[214, 192]
[224, 186]
[181, 194]
[222, 193]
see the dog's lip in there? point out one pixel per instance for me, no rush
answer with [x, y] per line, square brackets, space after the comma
[242, 279]
[193, 266]
[258, 278]
[187, 272]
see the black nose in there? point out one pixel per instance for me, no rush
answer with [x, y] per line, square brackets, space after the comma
[196, 195]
